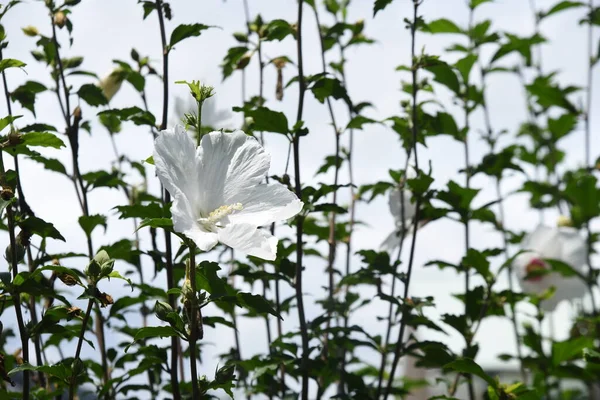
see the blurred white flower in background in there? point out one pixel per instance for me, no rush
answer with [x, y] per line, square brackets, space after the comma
[217, 191]
[112, 82]
[396, 200]
[561, 243]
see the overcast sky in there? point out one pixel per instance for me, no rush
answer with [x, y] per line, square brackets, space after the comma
[108, 29]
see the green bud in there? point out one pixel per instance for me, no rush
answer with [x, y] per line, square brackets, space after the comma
[162, 309]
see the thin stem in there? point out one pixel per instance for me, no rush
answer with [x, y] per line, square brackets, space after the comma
[73, 136]
[84, 324]
[175, 347]
[300, 218]
[332, 217]
[352, 212]
[24, 208]
[414, 130]
[390, 323]
[502, 221]
[590, 54]
[193, 322]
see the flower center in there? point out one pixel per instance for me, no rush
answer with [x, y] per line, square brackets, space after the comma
[215, 218]
[535, 265]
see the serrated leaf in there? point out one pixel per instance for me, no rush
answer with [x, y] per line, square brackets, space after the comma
[256, 303]
[89, 223]
[11, 63]
[185, 31]
[92, 95]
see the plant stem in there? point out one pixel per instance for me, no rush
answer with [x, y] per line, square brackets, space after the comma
[414, 130]
[24, 208]
[84, 324]
[16, 296]
[73, 136]
[193, 322]
[300, 218]
[332, 241]
[167, 199]
[393, 288]
[502, 221]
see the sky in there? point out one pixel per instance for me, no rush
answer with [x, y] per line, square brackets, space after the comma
[105, 30]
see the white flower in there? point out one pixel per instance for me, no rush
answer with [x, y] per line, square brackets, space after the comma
[217, 191]
[111, 83]
[561, 243]
[397, 197]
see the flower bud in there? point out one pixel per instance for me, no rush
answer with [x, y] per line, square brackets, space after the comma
[30, 31]
[244, 61]
[67, 279]
[7, 194]
[564, 221]
[161, 309]
[60, 19]
[73, 312]
[111, 83]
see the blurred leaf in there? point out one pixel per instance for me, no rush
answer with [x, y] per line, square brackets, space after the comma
[11, 63]
[570, 349]
[92, 95]
[89, 223]
[185, 31]
[468, 366]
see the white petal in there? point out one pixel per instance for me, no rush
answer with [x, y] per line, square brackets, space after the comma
[175, 160]
[574, 248]
[545, 241]
[265, 204]
[248, 239]
[395, 202]
[230, 162]
[391, 242]
[204, 240]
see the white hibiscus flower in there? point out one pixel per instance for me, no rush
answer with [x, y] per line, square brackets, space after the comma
[217, 191]
[561, 243]
[397, 197]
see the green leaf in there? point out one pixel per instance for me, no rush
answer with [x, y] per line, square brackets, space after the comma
[185, 31]
[89, 223]
[26, 94]
[465, 65]
[563, 5]
[358, 122]
[468, 366]
[325, 87]
[11, 63]
[41, 228]
[268, 120]
[42, 139]
[153, 332]
[151, 210]
[207, 279]
[256, 303]
[92, 95]
[380, 5]
[117, 275]
[279, 29]
[4, 122]
[441, 25]
[443, 74]
[570, 349]
[166, 223]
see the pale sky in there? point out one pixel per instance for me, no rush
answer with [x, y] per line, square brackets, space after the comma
[108, 29]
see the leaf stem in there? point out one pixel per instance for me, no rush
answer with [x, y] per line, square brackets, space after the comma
[175, 347]
[300, 219]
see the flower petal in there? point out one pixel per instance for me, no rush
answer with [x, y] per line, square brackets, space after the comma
[204, 240]
[574, 248]
[230, 163]
[175, 160]
[396, 198]
[265, 204]
[545, 241]
[391, 242]
[248, 239]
